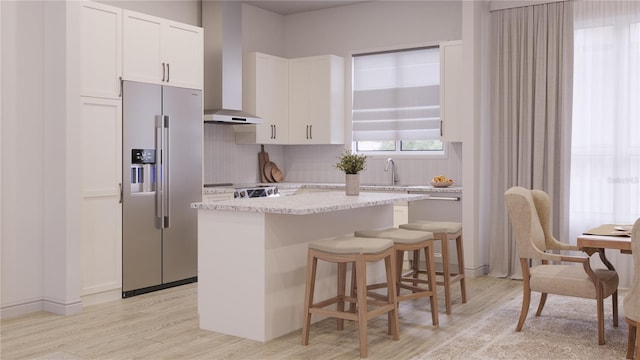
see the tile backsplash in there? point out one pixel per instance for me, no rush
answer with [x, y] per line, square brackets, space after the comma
[225, 161]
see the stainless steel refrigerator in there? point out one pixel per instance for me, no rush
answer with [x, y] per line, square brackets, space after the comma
[162, 176]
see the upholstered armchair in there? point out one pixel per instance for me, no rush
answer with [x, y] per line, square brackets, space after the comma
[530, 214]
[631, 304]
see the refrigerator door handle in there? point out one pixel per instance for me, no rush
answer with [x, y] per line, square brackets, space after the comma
[159, 173]
[166, 162]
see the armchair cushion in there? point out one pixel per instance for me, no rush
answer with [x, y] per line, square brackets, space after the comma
[571, 280]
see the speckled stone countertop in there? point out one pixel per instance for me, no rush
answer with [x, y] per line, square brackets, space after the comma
[337, 186]
[309, 203]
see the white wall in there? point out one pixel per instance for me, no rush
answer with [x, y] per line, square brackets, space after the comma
[22, 153]
[371, 25]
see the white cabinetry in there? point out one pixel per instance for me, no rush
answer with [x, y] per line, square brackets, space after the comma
[101, 252]
[266, 94]
[451, 91]
[100, 121]
[101, 50]
[316, 100]
[161, 51]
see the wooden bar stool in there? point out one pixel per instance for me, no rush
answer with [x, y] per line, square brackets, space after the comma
[357, 251]
[444, 231]
[410, 240]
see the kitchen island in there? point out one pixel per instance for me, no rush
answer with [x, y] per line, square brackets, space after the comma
[252, 255]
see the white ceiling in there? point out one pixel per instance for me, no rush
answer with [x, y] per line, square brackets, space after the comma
[289, 7]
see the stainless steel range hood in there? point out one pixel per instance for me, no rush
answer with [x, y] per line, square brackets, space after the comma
[222, 23]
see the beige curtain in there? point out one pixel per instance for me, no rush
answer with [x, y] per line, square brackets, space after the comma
[531, 83]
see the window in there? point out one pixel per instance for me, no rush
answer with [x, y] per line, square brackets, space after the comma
[396, 101]
[605, 151]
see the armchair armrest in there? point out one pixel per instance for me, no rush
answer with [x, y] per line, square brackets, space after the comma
[574, 258]
[586, 264]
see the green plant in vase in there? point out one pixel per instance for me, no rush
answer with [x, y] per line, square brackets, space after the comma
[351, 164]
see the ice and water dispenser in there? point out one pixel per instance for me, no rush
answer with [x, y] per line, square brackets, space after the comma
[143, 170]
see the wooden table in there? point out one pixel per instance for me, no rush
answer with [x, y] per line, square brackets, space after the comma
[592, 244]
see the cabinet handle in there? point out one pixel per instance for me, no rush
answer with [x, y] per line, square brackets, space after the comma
[446, 198]
[307, 132]
[310, 131]
[163, 71]
[441, 130]
[275, 132]
[120, 189]
[168, 72]
[120, 94]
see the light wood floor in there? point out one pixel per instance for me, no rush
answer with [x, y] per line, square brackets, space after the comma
[164, 325]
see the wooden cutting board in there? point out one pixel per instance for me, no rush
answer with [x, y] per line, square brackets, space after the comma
[267, 171]
[277, 174]
[263, 159]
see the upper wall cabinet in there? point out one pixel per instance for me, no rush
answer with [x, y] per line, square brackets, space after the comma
[101, 50]
[451, 91]
[266, 94]
[316, 100]
[161, 51]
[300, 101]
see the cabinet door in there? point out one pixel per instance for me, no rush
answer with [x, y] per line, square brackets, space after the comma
[183, 55]
[142, 51]
[100, 50]
[316, 113]
[101, 249]
[451, 91]
[300, 101]
[272, 99]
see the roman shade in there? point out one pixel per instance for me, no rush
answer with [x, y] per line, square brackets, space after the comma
[396, 95]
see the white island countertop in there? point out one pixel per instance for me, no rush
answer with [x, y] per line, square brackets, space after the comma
[309, 203]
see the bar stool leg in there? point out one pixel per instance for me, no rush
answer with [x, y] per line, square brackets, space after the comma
[342, 279]
[446, 271]
[390, 266]
[399, 259]
[361, 279]
[431, 273]
[312, 263]
[463, 283]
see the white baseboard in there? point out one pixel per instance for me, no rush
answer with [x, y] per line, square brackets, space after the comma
[102, 297]
[32, 306]
[56, 307]
[15, 310]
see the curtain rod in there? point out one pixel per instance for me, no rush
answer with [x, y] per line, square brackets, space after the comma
[496, 5]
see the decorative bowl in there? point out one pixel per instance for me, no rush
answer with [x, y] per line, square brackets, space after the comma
[441, 184]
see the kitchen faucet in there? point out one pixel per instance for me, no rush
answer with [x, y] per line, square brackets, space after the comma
[394, 171]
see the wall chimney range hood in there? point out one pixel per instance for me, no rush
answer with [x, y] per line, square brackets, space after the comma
[222, 23]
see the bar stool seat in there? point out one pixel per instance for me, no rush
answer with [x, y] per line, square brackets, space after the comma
[410, 240]
[445, 231]
[343, 250]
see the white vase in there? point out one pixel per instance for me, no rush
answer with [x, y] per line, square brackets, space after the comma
[352, 184]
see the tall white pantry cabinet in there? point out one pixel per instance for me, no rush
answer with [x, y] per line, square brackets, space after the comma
[105, 59]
